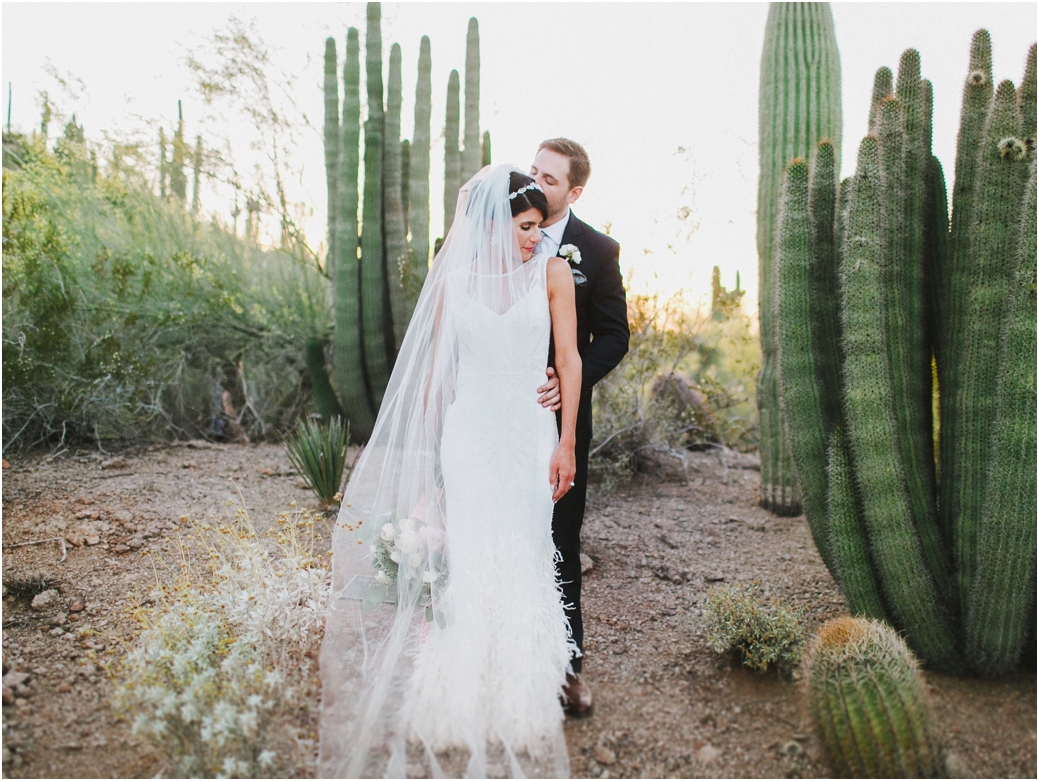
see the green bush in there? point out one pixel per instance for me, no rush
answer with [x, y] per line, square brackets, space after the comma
[687, 383]
[124, 317]
[764, 633]
[318, 453]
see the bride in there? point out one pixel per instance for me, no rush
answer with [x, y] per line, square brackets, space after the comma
[447, 646]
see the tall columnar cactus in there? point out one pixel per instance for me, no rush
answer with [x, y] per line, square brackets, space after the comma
[332, 146]
[999, 183]
[799, 105]
[802, 402]
[196, 194]
[418, 199]
[377, 331]
[395, 234]
[908, 584]
[452, 155]
[1003, 592]
[350, 373]
[961, 590]
[178, 179]
[486, 148]
[847, 532]
[867, 699]
[1026, 100]
[471, 156]
[883, 87]
[163, 163]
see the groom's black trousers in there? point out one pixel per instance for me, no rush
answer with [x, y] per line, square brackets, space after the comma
[566, 525]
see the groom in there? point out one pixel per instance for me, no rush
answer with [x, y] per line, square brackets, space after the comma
[562, 169]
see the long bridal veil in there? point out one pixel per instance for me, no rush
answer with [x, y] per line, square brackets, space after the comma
[390, 564]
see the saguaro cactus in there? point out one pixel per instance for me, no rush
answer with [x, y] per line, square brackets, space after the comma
[866, 697]
[800, 77]
[486, 150]
[178, 179]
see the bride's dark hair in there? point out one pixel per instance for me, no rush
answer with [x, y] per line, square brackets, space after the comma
[529, 198]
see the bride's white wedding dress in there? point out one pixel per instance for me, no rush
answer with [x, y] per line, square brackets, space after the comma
[446, 647]
[493, 671]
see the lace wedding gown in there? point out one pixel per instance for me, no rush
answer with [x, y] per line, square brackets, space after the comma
[491, 671]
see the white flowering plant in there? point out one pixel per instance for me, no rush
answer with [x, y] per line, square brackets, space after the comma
[571, 253]
[219, 680]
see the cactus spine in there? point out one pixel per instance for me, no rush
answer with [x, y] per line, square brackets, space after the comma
[350, 376]
[802, 404]
[395, 234]
[1004, 586]
[907, 583]
[472, 155]
[452, 155]
[418, 198]
[332, 147]
[867, 700]
[808, 88]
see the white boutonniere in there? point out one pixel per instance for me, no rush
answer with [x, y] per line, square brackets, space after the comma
[571, 253]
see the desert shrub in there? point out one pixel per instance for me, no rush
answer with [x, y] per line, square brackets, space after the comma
[763, 633]
[219, 680]
[318, 454]
[685, 384]
[125, 317]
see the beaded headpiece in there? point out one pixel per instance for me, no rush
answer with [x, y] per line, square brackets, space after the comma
[524, 188]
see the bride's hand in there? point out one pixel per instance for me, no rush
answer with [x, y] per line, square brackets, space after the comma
[561, 471]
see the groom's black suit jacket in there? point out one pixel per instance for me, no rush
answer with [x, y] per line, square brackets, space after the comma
[602, 340]
[602, 310]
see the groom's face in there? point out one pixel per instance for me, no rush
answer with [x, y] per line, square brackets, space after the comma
[551, 170]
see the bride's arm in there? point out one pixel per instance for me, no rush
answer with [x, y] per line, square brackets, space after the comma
[568, 368]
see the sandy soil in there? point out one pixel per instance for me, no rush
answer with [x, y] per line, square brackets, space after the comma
[666, 706]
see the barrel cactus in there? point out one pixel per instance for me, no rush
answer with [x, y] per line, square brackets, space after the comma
[949, 562]
[866, 697]
[800, 76]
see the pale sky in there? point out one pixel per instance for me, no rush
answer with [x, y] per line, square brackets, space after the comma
[663, 96]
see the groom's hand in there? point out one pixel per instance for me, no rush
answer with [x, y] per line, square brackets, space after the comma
[550, 397]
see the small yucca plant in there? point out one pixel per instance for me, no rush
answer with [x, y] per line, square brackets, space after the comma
[319, 455]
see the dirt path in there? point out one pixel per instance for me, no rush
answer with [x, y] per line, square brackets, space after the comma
[666, 706]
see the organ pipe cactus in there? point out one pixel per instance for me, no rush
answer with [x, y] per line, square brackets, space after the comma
[395, 234]
[807, 87]
[961, 588]
[376, 272]
[1003, 593]
[867, 700]
[452, 155]
[486, 148]
[471, 156]
[332, 147]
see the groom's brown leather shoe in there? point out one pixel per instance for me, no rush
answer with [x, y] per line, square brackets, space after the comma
[577, 697]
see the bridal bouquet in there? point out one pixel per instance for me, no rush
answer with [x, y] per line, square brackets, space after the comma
[411, 550]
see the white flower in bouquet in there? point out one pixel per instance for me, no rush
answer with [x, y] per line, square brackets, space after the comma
[429, 576]
[408, 542]
[415, 560]
[395, 557]
[387, 533]
[382, 577]
[407, 525]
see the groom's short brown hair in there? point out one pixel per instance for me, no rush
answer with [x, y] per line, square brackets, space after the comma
[580, 168]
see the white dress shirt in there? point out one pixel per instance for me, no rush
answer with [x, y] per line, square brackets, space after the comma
[552, 236]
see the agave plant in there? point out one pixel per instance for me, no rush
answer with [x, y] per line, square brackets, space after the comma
[319, 455]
